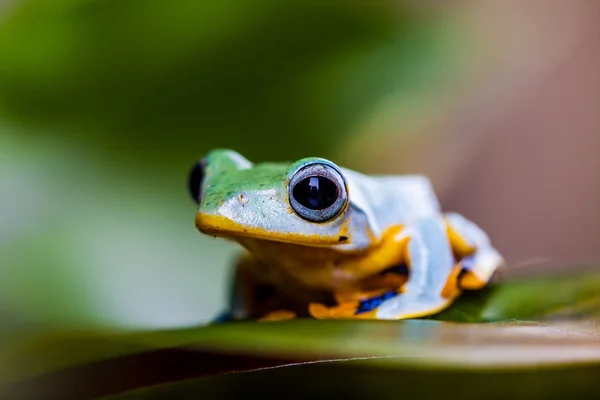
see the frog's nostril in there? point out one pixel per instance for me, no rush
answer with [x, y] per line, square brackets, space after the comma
[243, 198]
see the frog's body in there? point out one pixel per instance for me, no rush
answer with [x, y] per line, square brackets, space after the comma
[329, 242]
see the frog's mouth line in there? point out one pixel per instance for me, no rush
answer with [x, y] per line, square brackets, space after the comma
[216, 225]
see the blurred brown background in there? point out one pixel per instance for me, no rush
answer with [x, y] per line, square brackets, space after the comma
[514, 144]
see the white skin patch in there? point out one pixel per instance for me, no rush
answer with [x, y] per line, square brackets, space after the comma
[226, 209]
[266, 192]
[231, 207]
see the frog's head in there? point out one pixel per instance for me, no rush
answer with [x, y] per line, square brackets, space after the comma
[305, 203]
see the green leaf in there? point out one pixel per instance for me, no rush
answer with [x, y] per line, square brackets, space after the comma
[567, 294]
[521, 338]
[362, 380]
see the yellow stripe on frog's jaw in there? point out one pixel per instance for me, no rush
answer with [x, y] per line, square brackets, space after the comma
[217, 225]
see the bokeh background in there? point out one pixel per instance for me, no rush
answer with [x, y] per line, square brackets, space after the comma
[104, 106]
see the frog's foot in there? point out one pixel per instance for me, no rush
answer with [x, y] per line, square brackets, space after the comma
[352, 304]
[433, 273]
[472, 246]
[470, 279]
[412, 305]
[390, 305]
[409, 305]
[279, 315]
[340, 311]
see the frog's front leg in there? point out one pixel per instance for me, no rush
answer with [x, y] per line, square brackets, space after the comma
[472, 247]
[431, 265]
[251, 298]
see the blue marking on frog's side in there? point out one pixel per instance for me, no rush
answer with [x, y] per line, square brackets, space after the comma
[374, 302]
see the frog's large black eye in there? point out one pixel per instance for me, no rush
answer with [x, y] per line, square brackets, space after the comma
[195, 178]
[318, 192]
[315, 192]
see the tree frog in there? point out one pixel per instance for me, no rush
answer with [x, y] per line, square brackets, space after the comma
[324, 241]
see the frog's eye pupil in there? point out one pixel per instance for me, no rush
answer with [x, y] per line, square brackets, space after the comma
[316, 192]
[195, 178]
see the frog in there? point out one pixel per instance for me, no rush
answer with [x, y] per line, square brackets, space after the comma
[325, 242]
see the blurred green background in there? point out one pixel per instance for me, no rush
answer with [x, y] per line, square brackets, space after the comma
[106, 104]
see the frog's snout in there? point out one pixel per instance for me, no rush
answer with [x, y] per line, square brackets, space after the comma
[213, 224]
[231, 216]
[201, 223]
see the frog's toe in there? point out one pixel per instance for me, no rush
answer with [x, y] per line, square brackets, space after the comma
[279, 315]
[341, 311]
[470, 281]
[479, 268]
[408, 305]
[479, 258]
[319, 311]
